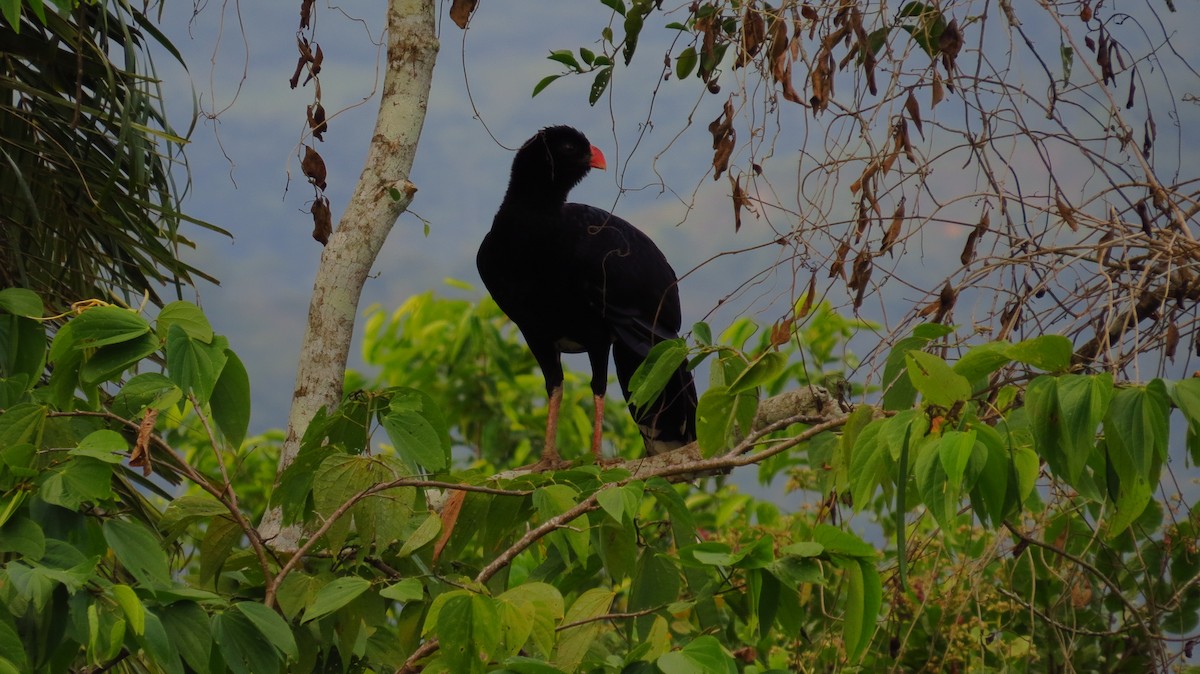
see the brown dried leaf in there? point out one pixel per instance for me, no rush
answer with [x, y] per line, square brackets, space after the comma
[740, 200]
[140, 456]
[861, 276]
[838, 268]
[936, 93]
[1085, 12]
[781, 332]
[1144, 214]
[724, 138]
[1010, 318]
[313, 167]
[780, 55]
[1172, 340]
[950, 42]
[709, 26]
[461, 11]
[968, 253]
[822, 81]
[305, 13]
[906, 143]
[450, 510]
[1066, 213]
[946, 300]
[316, 121]
[914, 111]
[809, 297]
[322, 220]
[893, 233]
[863, 221]
[1103, 250]
[754, 31]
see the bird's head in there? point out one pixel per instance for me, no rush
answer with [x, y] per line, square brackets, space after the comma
[555, 160]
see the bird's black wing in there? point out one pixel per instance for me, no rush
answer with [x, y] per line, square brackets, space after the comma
[627, 279]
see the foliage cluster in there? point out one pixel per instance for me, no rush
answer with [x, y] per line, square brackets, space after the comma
[1016, 536]
[90, 186]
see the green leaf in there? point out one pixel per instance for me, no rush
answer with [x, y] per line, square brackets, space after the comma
[425, 534]
[104, 445]
[565, 57]
[22, 424]
[702, 655]
[188, 509]
[339, 478]
[935, 380]
[933, 482]
[410, 424]
[193, 365]
[230, 400]
[543, 83]
[24, 537]
[617, 6]
[599, 84]
[867, 456]
[23, 349]
[135, 612]
[77, 481]
[899, 393]
[13, 649]
[296, 593]
[633, 28]
[334, 596]
[761, 370]
[556, 499]
[189, 631]
[243, 647]
[138, 550]
[982, 360]
[610, 499]
[714, 419]
[20, 301]
[841, 542]
[147, 390]
[187, 316]
[1051, 353]
[1082, 403]
[1186, 396]
[547, 605]
[864, 596]
[407, 590]
[466, 624]
[588, 56]
[574, 642]
[954, 450]
[1136, 432]
[656, 370]
[100, 326]
[108, 362]
[686, 63]
[656, 582]
[270, 625]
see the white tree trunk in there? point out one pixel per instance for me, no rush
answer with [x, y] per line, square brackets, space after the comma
[353, 246]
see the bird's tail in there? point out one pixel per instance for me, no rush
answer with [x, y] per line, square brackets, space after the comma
[668, 422]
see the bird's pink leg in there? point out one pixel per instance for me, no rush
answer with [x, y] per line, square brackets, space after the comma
[550, 456]
[598, 420]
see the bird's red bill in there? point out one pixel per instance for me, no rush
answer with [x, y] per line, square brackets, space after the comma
[598, 159]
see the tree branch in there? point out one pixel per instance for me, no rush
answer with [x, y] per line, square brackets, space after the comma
[365, 224]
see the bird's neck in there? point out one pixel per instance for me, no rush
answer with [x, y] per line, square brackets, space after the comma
[533, 199]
